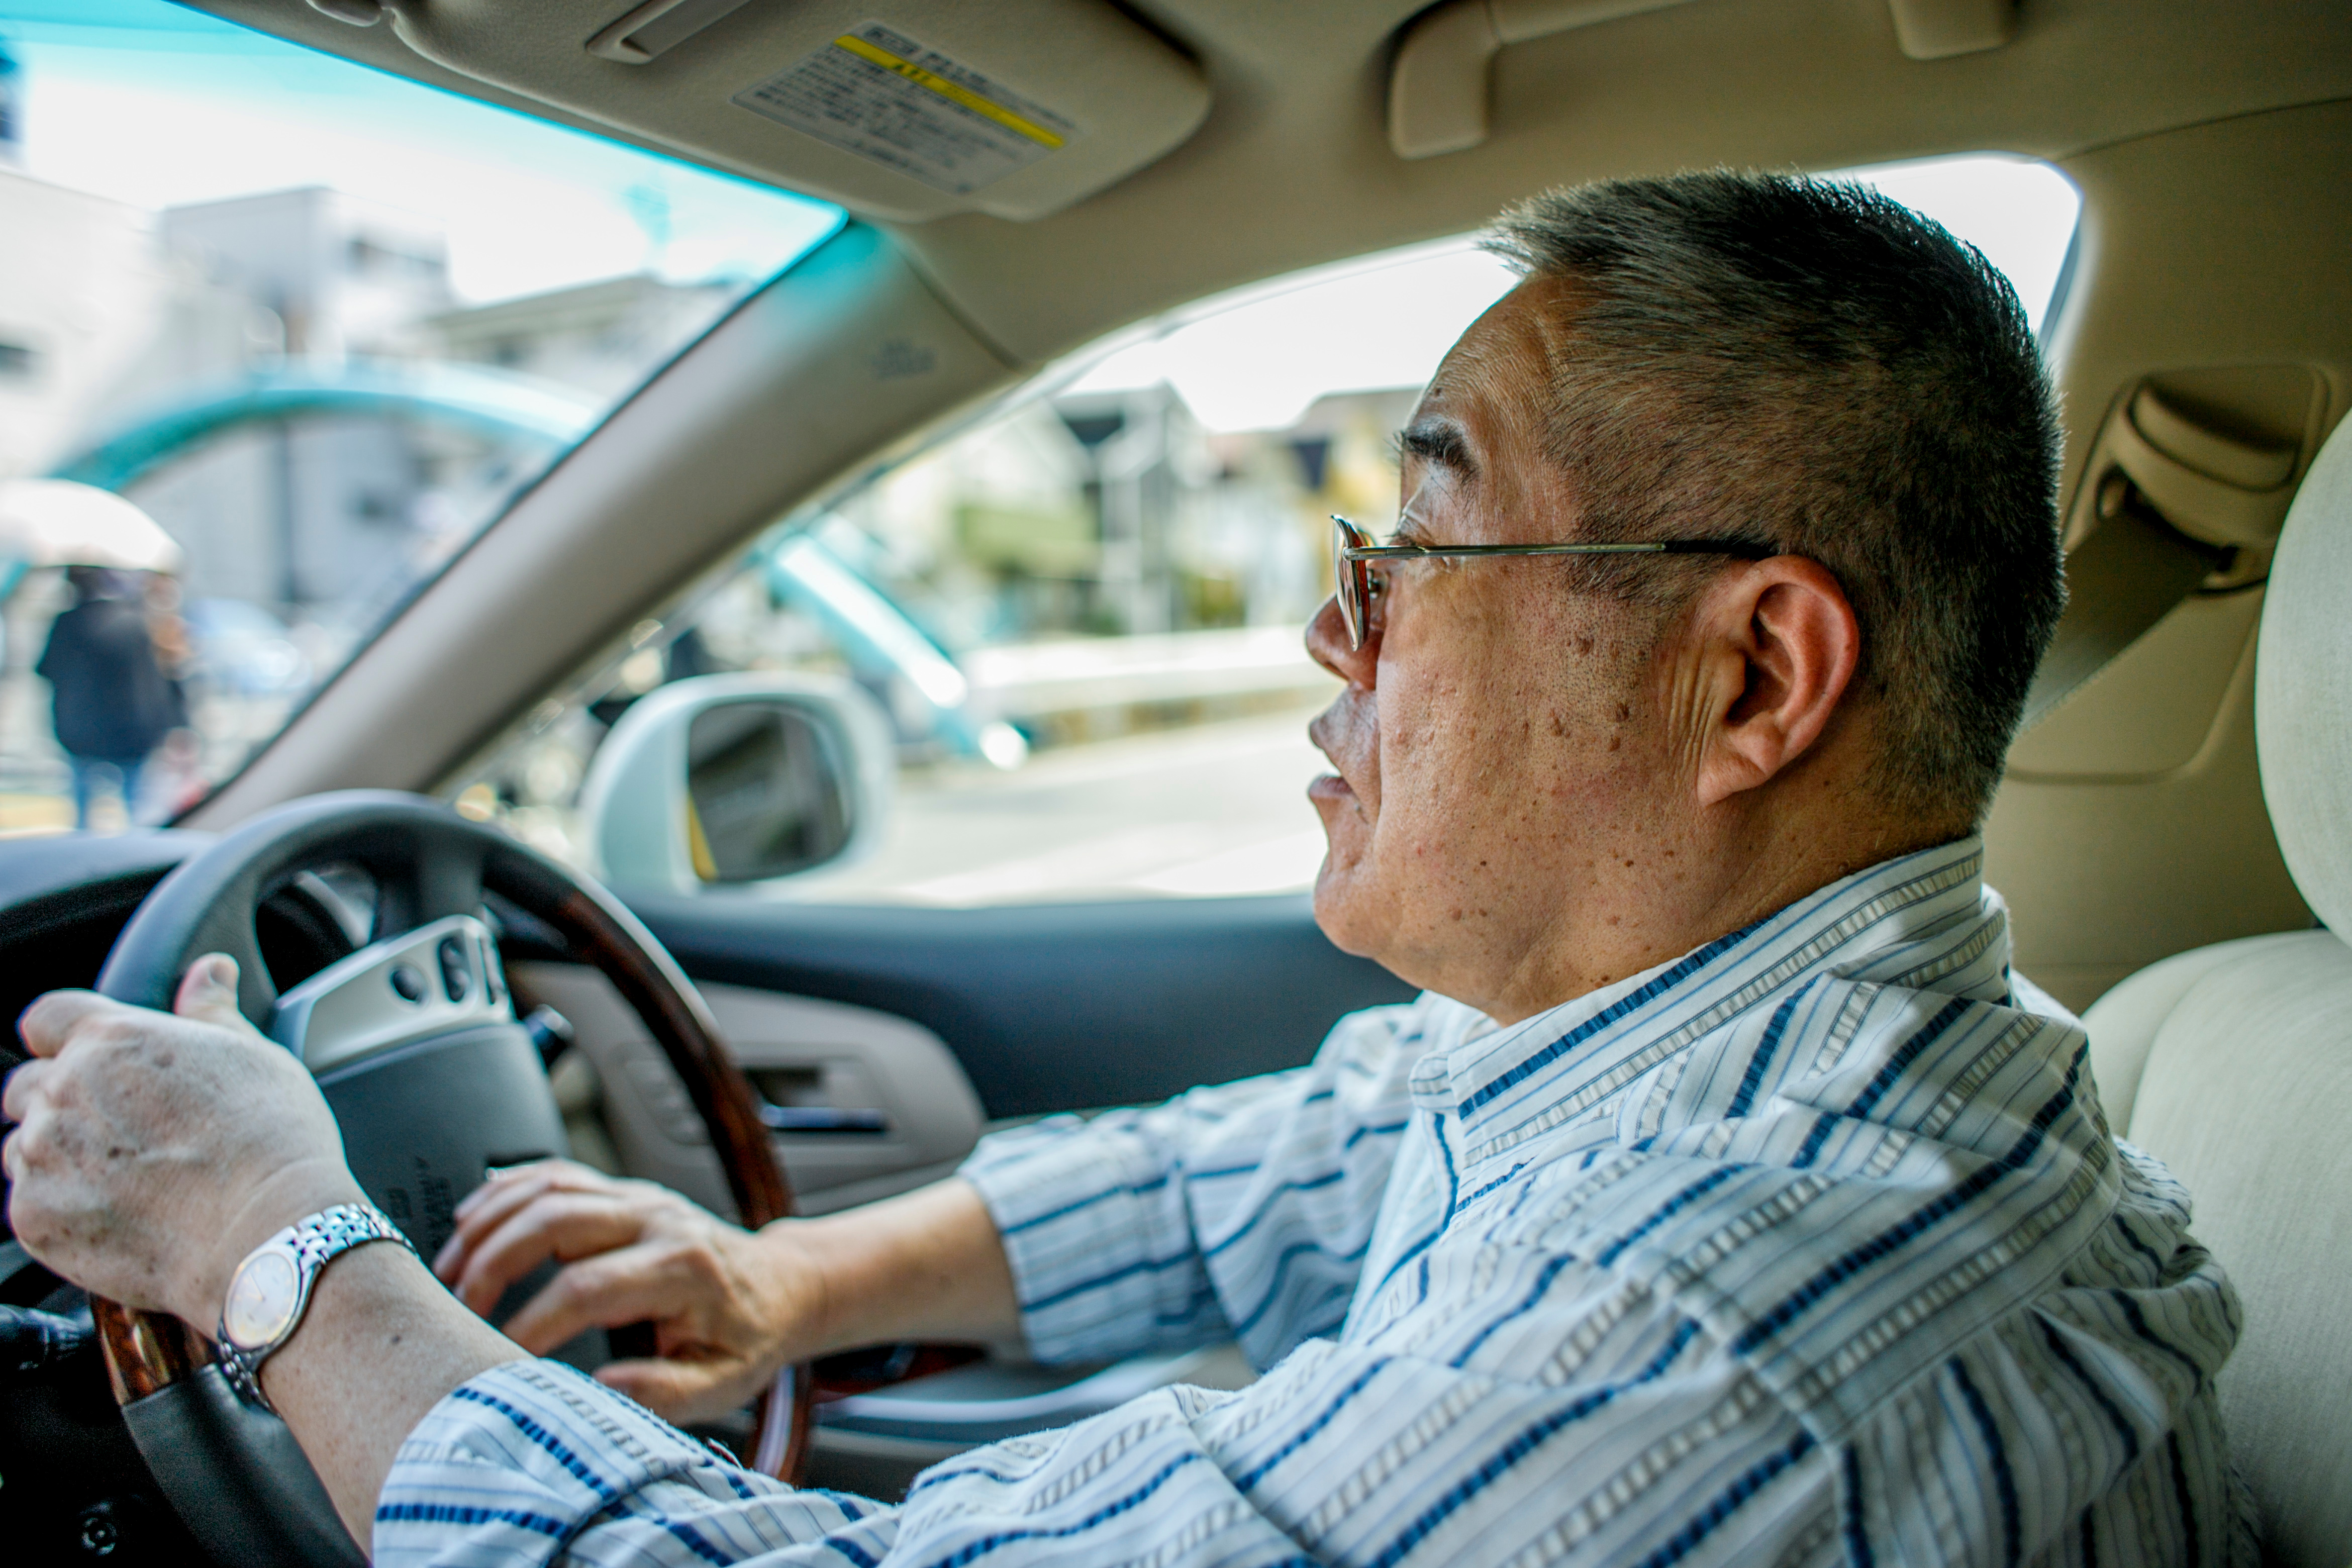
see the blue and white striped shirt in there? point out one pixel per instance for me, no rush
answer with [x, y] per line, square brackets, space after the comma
[1809, 1246]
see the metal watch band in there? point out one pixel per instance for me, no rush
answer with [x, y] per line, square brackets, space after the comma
[311, 1244]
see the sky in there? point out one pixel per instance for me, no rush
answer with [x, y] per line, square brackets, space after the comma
[155, 105]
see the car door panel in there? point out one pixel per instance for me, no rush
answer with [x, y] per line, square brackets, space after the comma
[1056, 1006]
[904, 1113]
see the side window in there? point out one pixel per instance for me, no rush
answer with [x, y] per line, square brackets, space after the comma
[1085, 613]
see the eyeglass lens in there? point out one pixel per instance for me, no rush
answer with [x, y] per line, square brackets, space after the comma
[1348, 581]
[1346, 584]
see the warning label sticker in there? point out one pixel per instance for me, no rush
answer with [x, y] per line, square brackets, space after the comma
[879, 94]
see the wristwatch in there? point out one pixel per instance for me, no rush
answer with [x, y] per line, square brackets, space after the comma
[269, 1289]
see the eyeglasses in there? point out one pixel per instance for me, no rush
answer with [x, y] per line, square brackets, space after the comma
[1352, 547]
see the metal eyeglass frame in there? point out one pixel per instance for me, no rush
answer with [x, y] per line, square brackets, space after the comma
[1352, 547]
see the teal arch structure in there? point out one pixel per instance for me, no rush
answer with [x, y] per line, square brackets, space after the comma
[876, 634]
[469, 396]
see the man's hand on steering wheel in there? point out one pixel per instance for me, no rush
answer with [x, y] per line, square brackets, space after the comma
[728, 1306]
[152, 1152]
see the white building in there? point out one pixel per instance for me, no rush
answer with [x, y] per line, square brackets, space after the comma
[84, 293]
[309, 513]
[600, 337]
[344, 275]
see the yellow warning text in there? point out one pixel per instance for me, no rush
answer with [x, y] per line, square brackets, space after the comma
[933, 81]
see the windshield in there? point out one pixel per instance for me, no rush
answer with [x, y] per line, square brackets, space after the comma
[319, 325]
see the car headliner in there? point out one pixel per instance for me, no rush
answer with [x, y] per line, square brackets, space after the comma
[1292, 165]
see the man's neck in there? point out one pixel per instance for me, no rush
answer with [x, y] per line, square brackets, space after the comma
[1700, 886]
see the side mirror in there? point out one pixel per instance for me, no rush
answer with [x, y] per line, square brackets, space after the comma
[738, 781]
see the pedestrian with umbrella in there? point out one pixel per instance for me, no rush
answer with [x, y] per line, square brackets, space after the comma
[111, 702]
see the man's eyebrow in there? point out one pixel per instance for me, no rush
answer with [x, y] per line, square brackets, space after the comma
[1439, 441]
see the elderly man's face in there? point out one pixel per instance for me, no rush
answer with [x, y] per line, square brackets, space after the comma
[1492, 750]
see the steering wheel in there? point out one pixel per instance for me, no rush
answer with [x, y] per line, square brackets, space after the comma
[413, 1042]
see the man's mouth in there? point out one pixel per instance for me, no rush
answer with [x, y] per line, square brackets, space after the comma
[1332, 787]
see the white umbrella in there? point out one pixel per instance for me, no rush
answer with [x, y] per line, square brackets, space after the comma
[56, 522]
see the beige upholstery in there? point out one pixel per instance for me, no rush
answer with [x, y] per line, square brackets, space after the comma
[2234, 1063]
[2130, 1015]
[2303, 710]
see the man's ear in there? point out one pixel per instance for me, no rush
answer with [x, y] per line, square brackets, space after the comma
[1782, 644]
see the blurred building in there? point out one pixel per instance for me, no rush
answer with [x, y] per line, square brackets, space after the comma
[1119, 513]
[311, 515]
[597, 337]
[82, 294]
[304, 513]
[343, 276]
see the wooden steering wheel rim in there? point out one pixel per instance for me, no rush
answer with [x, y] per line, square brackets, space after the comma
[147, 1351]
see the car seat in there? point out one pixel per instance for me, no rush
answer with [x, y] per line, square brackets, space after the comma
[2234, 1063]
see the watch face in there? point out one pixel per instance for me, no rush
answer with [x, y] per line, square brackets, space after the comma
[261, 1300]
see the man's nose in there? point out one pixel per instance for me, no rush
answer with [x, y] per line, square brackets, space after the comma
[1327, 644]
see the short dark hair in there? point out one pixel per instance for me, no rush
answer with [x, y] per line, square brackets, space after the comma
[1810, 365]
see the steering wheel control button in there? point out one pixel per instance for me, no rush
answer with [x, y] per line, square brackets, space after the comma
[425, 983]
[457, 973]
[551, 1032]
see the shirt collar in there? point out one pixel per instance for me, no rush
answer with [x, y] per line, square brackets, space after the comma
[1872, 924]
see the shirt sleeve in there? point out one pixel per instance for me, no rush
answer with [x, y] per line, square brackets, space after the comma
[1242, 1211]
[1635, 1439]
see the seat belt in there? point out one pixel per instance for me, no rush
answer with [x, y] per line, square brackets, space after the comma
[2176, 499]
[2130, 574]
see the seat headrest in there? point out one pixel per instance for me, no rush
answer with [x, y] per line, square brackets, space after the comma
[2302, 687]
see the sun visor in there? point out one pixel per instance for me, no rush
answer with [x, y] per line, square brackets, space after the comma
[904, 110]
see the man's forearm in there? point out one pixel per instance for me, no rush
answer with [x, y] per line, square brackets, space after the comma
[927, 1265]
[384, 1342]
[380, 1345]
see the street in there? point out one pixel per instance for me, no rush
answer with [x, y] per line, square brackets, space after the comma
[1218, 810]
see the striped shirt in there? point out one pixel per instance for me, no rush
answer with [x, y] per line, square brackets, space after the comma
[1809, 1246]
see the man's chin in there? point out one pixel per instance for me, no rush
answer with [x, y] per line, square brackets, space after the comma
[1342, 901]
[1339, 906]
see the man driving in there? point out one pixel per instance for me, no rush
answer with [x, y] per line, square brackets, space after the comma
[1724, 1197]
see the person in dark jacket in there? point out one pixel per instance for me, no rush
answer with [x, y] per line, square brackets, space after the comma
[112, 703]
